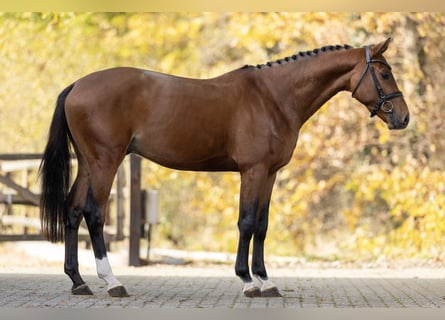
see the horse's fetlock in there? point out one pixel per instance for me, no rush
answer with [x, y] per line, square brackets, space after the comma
[259, 273]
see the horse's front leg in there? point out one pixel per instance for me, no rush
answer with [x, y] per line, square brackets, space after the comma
[256, 188]
[246, 225]
[268, 288]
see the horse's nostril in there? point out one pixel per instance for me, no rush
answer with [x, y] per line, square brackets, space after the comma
[406, 120]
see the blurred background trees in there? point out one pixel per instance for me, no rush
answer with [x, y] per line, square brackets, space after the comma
[354, 189]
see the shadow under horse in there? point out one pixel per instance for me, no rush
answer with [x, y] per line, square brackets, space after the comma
[246, 120]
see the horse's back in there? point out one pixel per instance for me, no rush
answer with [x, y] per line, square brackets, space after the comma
[178, 122]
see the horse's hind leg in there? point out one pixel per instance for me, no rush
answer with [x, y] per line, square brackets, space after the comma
[75, 203]
[95, 212]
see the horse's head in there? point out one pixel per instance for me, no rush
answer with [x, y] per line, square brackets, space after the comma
[374, 85]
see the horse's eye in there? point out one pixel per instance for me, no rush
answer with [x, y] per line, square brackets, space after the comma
[385, 75]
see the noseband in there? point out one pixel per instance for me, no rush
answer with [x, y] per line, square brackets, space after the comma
[384, 100]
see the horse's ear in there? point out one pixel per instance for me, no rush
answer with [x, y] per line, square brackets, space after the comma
[380, 47]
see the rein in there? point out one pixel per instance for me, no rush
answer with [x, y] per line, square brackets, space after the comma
[384, 100]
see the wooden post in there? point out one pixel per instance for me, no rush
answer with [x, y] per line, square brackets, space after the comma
[135, 210]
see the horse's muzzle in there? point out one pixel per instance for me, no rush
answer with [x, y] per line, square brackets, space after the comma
[395, 123]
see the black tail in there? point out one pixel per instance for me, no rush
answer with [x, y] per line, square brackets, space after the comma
[55, 172]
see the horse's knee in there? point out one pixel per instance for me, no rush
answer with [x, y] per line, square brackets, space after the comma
[246, 227]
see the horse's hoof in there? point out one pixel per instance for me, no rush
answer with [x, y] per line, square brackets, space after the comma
[118, 292]
[252, 292]
[271, 293]
[83, 290]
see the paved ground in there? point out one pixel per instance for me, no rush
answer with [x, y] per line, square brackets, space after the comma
[33, 277]
[215, 287]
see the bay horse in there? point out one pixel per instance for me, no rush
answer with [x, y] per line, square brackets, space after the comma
[246, 121]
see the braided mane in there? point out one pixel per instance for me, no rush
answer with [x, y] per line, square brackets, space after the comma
[300, 54]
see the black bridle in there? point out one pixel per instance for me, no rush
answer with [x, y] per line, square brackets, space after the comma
[384, 99]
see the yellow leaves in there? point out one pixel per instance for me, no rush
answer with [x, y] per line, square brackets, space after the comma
[168, 62]
[416, 201]
[384, 134]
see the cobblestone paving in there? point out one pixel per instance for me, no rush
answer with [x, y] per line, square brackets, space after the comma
[180, 287]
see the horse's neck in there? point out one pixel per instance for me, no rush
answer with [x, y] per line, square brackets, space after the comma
[304, 86]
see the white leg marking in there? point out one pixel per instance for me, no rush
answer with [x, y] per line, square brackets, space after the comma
[248, 286]
[266, 284]
[104, 272]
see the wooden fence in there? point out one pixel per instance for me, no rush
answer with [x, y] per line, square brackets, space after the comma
[20, 196]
